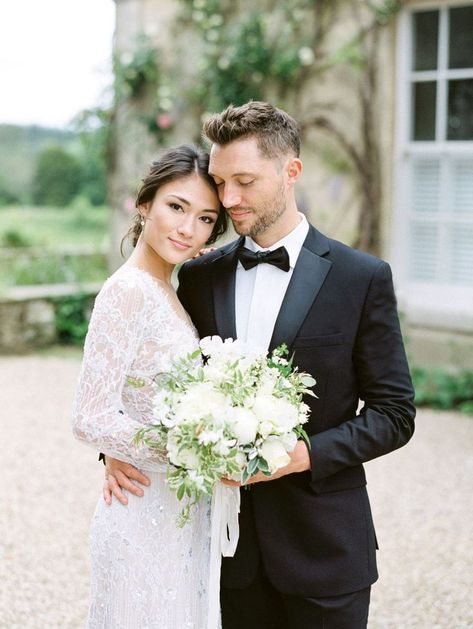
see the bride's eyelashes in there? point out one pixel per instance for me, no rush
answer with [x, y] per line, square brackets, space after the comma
[208, 220]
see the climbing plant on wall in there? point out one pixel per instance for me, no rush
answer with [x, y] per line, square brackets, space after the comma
[285, 52]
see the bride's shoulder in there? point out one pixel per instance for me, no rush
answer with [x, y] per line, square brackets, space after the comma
[127, 286]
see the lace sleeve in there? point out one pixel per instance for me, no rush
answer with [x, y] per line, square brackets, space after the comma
[114, 335]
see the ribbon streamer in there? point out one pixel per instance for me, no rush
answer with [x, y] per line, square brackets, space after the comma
[224, 532]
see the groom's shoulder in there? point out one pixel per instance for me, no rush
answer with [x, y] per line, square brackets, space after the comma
[345, 256]
[203, 263]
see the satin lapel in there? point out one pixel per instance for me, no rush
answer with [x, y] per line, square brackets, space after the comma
[307, 279]
[224, 293]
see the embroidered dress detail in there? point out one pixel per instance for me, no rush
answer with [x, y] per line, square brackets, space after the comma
[146, 572]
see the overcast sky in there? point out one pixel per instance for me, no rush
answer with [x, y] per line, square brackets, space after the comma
[55, 58]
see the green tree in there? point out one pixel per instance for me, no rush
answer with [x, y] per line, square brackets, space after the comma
[58, 177]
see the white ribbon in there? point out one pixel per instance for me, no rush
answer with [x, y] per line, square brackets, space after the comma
[224, 532]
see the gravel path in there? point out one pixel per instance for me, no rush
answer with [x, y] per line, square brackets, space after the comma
[422, 499]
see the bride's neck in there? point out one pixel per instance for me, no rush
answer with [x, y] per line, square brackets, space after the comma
[144, 258]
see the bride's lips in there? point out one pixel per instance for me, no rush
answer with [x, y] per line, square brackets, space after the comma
[180, 245]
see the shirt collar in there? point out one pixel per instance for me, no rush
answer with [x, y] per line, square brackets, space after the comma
[292, 241]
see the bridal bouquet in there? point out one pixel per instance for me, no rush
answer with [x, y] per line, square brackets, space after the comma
[238, 413]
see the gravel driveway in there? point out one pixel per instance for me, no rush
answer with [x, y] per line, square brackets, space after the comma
[422, 499]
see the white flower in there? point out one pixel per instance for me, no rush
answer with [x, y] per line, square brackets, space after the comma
[197, 479]
[274, 453]
[223, 63]
[183, 458]
[306, 56]
[126, 58]
[265, 428]
[278, 411]
[267, 382]
[289, 441]
[243, 423]
[209, 436]
[223, 447]
[200, 400]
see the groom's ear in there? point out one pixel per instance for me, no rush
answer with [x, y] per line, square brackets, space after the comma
[293, 170]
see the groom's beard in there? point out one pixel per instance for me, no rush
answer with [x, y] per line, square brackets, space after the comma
[265, 215]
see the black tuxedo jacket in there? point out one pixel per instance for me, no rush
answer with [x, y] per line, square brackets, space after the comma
[313, 530]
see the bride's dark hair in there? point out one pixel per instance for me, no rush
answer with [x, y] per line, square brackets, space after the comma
[175, 163]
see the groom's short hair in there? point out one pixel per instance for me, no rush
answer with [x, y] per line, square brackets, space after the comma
[276, 132]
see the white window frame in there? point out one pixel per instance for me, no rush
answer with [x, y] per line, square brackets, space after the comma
[438, 305]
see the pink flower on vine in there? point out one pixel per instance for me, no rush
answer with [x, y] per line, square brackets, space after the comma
[164, 121]
[129, 205]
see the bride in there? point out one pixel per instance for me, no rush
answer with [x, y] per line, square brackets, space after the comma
[147, 572]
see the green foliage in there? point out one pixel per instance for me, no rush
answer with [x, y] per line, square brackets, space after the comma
[442, 389]
[72, 316]
[57, 178]
[53, 268]
[135, 70]
[139, 75]
[246, 52]
[94, 132]
[19, 148]
[81, 224]
[13, 237]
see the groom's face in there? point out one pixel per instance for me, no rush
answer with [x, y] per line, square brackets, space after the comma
[251, 187]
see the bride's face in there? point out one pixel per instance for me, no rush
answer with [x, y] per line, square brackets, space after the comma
[180, 219]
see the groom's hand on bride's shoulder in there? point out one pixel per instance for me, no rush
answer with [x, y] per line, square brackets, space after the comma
[300, 462]
[119, 475]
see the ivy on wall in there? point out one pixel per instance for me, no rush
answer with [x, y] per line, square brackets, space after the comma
[284, 52]
[139, 76]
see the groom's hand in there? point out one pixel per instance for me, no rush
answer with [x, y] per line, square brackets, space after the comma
[118, 476]
[300, 462]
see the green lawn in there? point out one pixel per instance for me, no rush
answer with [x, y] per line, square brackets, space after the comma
[79, 224]
[38, 245]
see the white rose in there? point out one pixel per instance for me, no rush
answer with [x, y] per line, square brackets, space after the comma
[265, 428]
[274, 453]
[199, 400]
[276, 411]
[243, 424]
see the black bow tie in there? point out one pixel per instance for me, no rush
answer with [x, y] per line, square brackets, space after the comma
[279, 257]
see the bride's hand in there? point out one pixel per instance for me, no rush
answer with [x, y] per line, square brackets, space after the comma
[118, 476]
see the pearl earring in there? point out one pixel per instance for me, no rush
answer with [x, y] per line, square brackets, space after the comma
[142, 222]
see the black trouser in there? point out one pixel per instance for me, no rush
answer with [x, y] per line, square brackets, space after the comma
[260, 606]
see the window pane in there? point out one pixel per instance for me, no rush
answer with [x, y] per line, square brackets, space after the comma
[460, 54]
[426, 28]
[424, 96]
[460, 110]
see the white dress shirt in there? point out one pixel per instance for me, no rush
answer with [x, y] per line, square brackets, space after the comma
[259, 292]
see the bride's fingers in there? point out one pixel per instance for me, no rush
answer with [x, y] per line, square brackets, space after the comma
[125, 483]
[107, 494]
[202, 252]
[116, 490]
[135, 474]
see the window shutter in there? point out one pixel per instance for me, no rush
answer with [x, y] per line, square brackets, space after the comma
[425, 185]
[462, 186]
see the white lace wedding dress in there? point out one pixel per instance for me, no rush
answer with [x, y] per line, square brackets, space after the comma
[146, 572]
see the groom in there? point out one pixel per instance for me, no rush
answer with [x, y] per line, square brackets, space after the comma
[306, 555]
